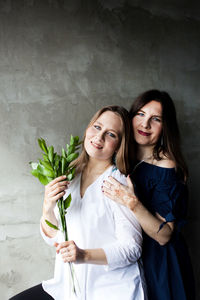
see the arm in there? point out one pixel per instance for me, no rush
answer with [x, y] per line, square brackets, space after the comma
[53, 191]
[72, 253]
[150, 224]
[127, 248]
[124, 251]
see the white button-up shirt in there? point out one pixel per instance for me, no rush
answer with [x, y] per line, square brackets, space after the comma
[94, 221]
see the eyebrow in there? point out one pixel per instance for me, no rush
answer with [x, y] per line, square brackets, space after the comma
[117, 132]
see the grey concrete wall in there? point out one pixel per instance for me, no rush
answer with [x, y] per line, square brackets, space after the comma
[59, 62]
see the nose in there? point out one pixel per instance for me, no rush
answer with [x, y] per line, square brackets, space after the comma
[146, 123]
[100, 136]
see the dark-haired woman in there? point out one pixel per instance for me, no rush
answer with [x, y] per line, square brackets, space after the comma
[159, 196]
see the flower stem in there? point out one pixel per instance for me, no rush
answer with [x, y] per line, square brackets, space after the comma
[64, 229]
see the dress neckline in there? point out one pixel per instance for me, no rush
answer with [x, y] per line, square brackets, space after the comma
[157, 166]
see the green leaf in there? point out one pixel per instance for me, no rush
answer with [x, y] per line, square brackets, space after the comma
[45, 157]
[34, 173]
[33, 165]
[59, 172]
[42, 145]
[73, 171]
[50, 153]
[57, 160]
[49, 179]
[46, 165]
[71, 140]
[64, 163]
[69, 177]
[64, 154]
[44, 171]
[72, 157]
[76, 140]
[51, 225]
[79, 143]
[67, 201]
[43, 179]
[71, 149]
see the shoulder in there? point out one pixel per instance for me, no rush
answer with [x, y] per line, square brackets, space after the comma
[115, 173]
[165, 162]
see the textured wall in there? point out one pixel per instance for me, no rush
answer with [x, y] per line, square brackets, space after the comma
[59, 62]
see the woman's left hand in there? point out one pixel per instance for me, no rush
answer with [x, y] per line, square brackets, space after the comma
[120, 193]
[70, 252]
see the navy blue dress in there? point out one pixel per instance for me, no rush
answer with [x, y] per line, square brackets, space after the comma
[167, 268]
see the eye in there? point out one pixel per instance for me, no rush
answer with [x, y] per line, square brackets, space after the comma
[156, 119]
[141, 114]
[112, 135]
[97, 127]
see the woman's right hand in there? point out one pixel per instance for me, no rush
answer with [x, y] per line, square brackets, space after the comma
[54, 191]
[120, 193]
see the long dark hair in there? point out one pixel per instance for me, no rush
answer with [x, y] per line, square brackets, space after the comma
[169, 142]
[121, 158]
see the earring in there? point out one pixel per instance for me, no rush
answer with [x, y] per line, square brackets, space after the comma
[114, 158]
[162, 141]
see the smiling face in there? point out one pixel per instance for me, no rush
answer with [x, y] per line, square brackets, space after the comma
[147, 124]
[103, 136]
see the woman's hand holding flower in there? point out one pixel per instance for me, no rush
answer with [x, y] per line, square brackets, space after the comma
[120, 193]
[54, 191]
[70, 252]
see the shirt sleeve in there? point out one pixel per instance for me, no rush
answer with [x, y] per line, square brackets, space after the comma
[48, 240]
[57, 238]
[127, 248]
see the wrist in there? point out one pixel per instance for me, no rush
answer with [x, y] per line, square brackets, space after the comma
[132, 202]
[48, 210]
[86, 255]
[138, 207]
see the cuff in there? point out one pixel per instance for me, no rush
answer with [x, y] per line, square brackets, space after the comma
[48, 240]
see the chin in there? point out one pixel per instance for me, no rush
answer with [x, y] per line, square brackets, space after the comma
[141, 140]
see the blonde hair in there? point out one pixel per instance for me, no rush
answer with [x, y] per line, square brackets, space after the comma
[121, 158]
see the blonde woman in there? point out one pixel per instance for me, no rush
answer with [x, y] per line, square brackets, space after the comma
[105, 238]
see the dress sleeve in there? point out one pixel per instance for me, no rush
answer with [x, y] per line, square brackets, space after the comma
[127, 248]
[170, 201]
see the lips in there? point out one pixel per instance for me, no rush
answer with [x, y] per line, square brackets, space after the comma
[96, 145]
[143, 133]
